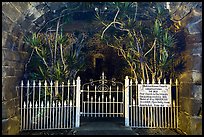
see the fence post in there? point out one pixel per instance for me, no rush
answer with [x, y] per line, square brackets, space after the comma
[78, 85]
[126, 101]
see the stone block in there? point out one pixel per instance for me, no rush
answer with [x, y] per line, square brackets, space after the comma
[34, 28]
[15, 64]
[190, 125]
[7, 71]
[49, 15]
[34, 4]
[185, 89]
[7, 24]
[10, 11]
[18, 31]
[55, 5]
[184, 103]
[196, 125]
[4, 127]
[33, 14]
[12, 108]
[184, 122]
[40, 6]
[196, 77]
[190, 105]
[4, 38]
[194, 38]
[10, 55]
[43, 7]
[197, 63]
[23, 57]
[193, 62]
[197, 49]
[197, 92]
[12, 42]
[9, 86]
[28, 25]
[21, 6]
[16, 56]
[40, 21]
[4, 111]
[11, 126]
[6, 91]
[194, 27]
[19, 73]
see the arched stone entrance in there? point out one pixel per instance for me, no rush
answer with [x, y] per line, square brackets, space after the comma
[24, 18]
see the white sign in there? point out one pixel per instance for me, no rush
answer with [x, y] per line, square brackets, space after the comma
[154, 95]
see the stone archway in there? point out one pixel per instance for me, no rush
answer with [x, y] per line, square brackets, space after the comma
[21, 19]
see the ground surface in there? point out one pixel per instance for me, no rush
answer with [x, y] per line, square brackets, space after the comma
[105, 126]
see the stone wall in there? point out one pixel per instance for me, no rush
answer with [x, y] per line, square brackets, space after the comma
[20, 19]
[190, 93]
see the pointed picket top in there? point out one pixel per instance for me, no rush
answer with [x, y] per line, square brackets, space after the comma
[56, 83]
[36, 104]
[91, 98]
[174, 103]
[117, 88]
[42, 105]
[95, 87]
[30, 105]
[24, 104]
[33, 83]
[147, 81]
[164, 80]
[65, 103]
[74, 82]
[53, 103]
[106, 99]
[21, 83]
[113, 99]
[48, 104]
[170, 82]
[142, 81]
[28, 83]
[45, 83]
[62, 84]
[153, 81]
[88, 87]
[70, 102]
[51, 83]
[176, 82]
[130, 82]
[136, 81]
[68, 82]
[39, 83]
[159, 81]
[59, 104]
[99, 99]
[133, 101]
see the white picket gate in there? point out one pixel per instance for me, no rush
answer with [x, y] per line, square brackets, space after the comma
[56, 105]
[102, 98]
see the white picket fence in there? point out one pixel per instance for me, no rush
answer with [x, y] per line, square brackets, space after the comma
[150, 116]
[50, 105]
[59, 105]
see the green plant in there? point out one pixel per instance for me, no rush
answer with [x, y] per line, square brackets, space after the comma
[147, 50]
[69, 56]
